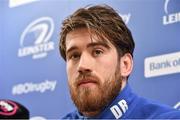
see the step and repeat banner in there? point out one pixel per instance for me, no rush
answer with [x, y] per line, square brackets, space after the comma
[33, 73]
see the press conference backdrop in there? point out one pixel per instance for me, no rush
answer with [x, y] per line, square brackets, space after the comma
[33, 73]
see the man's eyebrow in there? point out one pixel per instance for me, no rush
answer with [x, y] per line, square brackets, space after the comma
[98, 44]
[71, 49]
[93, 44]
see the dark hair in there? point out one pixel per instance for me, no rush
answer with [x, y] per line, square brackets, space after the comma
[105, 23]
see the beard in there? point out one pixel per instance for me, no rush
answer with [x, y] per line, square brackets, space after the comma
[89, 100]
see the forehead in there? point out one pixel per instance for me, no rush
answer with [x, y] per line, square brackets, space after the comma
[76, 34]
[84, 36]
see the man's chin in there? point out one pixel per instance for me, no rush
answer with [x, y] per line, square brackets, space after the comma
[88, 103]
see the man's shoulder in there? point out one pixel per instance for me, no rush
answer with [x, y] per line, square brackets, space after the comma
[173, 114]
[161, 111]
[152, 109]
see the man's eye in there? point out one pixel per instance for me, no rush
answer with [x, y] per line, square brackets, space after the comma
[74, 56]
[97, 52]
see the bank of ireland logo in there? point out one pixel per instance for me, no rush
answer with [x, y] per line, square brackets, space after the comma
[170, 18]
[35, 39]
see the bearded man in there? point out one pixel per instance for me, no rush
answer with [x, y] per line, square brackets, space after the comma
[98, 49]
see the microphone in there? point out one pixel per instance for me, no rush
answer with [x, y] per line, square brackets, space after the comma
[12, 110]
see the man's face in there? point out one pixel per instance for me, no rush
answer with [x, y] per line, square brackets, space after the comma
[93, 71]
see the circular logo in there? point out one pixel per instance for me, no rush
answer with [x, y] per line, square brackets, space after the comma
[43, 29]
[7, 107]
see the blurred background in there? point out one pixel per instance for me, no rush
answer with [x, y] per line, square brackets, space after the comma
[33, 73]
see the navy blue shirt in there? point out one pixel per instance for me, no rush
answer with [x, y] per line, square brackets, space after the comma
[127, 105]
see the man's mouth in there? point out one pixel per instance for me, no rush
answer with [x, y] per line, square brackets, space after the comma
[86, 82]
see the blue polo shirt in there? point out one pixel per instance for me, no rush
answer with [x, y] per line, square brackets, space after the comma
[128, 105]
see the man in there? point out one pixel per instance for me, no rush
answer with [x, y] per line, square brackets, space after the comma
[98, 49]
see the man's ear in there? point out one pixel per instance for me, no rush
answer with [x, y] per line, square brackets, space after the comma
[126, 64]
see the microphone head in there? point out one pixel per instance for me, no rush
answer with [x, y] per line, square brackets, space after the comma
[13, 110]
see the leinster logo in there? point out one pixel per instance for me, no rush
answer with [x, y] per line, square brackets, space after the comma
[166, 6]
[170, 18]
[35, 39]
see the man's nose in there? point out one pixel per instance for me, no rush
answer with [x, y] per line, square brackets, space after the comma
[85, 64]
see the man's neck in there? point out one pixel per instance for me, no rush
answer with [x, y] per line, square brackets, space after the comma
[124, 82]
